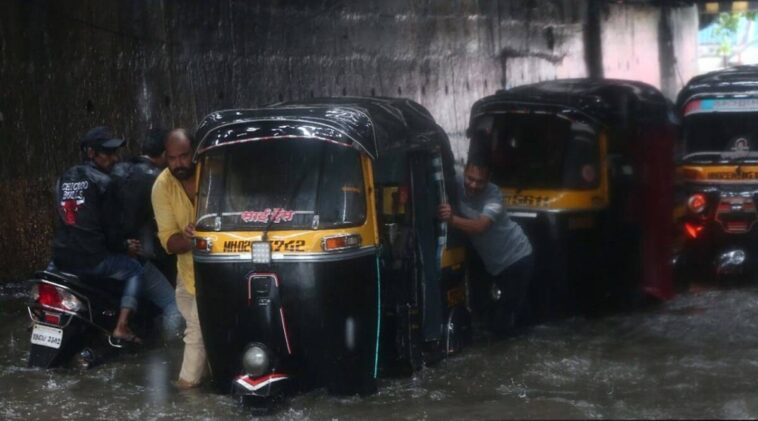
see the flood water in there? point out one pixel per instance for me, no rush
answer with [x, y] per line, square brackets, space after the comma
[694, 357]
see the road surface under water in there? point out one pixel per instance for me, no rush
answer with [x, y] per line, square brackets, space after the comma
[694, 357]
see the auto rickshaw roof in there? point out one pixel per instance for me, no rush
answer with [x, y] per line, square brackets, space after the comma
[373, 124]
[731, 82]
[608, 102]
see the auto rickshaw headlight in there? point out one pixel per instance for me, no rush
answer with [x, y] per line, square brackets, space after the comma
[261, 251]
[255, 360]
[340, 242]
[696, 203]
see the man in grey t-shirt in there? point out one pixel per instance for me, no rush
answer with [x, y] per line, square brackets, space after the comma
[499, 241]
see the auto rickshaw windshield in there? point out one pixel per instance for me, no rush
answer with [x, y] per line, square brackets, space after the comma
[537, 151]
[281, 184]
[714, 137]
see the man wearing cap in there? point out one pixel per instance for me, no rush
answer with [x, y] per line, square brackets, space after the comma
[87, 240]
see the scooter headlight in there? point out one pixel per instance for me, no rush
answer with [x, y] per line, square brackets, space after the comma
[255, 360]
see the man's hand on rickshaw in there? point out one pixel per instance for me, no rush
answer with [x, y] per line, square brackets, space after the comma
[189, 231]
[133, 247]
[445, 212]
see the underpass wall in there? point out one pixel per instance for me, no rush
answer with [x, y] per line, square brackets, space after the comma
[68, 66]
[637, 44]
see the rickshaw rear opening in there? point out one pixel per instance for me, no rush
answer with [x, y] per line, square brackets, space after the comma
[584, 166]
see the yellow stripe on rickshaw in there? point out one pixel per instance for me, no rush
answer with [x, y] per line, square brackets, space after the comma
[452, 257]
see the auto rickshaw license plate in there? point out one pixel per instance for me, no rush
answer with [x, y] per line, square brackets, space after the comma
[47, 336]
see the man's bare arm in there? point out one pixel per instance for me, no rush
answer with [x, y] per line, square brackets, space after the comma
[181, 242]
[469, 226]
[178, 244]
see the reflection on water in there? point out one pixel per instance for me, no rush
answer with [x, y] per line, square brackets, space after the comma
[695, 357]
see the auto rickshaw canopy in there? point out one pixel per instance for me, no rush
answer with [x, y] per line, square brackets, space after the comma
[605, 102]
[374, 125]
[739, 80]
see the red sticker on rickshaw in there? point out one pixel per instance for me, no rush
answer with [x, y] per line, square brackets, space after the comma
[276, 215]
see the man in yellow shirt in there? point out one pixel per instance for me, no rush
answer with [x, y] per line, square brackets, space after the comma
[173, 202]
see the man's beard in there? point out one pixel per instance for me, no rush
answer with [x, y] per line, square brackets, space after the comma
[183, 173]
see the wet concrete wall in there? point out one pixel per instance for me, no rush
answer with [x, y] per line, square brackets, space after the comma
[651, 44]
[66, 66]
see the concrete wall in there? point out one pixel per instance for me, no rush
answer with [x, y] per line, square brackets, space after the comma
[684, 28]
[631, 45]
[66, 66]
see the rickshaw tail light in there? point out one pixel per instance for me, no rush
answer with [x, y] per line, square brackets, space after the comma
[696, 203]
[261, 251]
[341, 242]
[692, 230]
[203, 244]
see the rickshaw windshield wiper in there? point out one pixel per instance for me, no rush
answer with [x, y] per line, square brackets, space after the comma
[315, 221]
[222, 196]
[293, 193]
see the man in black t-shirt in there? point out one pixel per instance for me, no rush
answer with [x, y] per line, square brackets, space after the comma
[88, 240]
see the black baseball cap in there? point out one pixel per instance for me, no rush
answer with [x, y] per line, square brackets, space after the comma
[100, 138]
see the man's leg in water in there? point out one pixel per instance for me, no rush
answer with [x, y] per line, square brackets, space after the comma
[194, 363]
[123, 268]
[158, 290]
[513, 282]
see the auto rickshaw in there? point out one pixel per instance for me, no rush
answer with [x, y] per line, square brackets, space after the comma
[585, 168]
[717, 174]
[319, 260]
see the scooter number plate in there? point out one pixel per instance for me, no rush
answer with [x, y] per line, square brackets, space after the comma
[47, 336]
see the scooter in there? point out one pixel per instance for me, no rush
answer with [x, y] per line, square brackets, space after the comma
[72, 319]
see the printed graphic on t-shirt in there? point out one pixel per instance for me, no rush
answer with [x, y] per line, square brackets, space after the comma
[72, 197]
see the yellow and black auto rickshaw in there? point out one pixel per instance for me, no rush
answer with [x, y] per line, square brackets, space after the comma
[717, 174]
[319, 260]
[585, 168]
